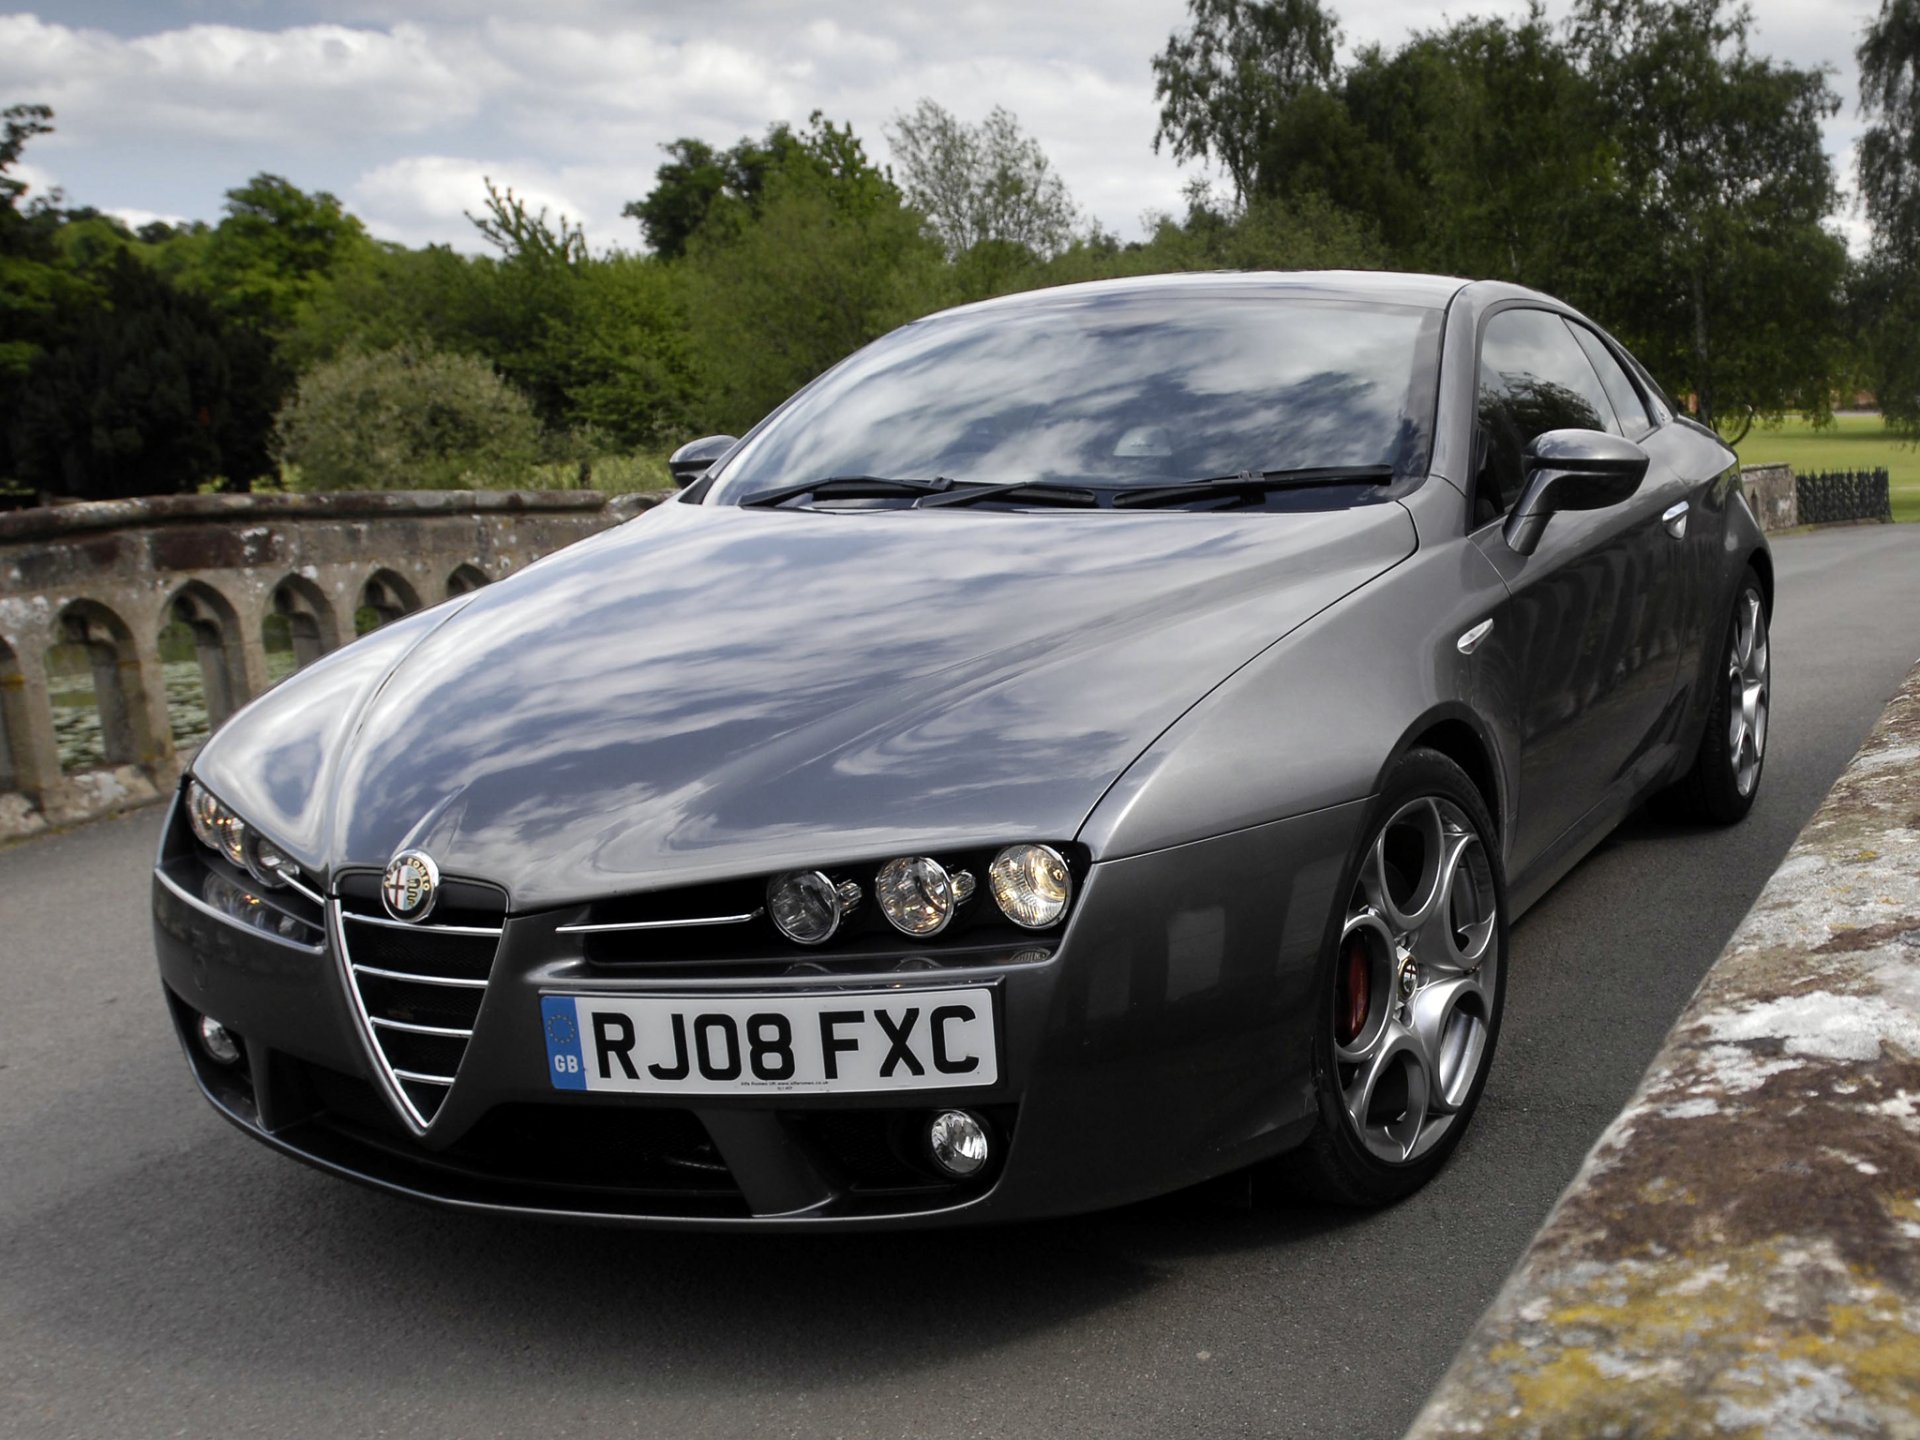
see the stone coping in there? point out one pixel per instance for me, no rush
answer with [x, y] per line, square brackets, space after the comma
[54, 521]
[1740, 1253]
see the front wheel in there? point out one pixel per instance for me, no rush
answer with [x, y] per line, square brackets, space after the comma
[1412, 995]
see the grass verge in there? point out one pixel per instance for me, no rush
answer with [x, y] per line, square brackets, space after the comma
[1851, 442]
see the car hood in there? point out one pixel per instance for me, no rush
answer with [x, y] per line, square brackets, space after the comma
[711, 691]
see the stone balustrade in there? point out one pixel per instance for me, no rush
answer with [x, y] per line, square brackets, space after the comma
[94, 586]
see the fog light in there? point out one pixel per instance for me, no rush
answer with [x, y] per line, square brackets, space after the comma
[959, 1143]
[220, 1043]
[808, 907]
[918, 895]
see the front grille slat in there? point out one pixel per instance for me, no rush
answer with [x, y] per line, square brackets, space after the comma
[420, 988]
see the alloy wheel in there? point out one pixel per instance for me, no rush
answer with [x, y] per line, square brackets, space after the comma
[1747, 692]
[1416, 980]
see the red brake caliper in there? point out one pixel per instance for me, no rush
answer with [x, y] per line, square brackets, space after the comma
[1355, 997]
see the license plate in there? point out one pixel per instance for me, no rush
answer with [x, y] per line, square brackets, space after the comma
[711, 1045]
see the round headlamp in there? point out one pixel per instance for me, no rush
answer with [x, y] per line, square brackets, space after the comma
[916, 894]
[203, 814]
[267, 862]
[807, 907]
[1031, 884]
[232, 833]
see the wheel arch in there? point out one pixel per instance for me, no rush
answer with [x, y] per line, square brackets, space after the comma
[1762, 562]
[1455, 731]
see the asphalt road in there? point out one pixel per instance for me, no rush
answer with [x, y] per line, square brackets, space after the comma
[160, 1275]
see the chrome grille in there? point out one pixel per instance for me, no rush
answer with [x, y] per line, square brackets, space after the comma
[418, 987]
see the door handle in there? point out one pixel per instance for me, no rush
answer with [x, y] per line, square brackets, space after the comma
[1470, 640]
[1675, 519]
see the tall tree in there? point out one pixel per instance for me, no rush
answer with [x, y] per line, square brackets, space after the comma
[1727, 280]
[275, 246]
[1889, 285]
[34, 286]
[1224, 83]
[989, 183]
[150, 392]
[831, 258]
[701, 186]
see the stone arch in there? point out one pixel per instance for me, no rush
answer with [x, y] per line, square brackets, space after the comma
[299, 612]
[209, 619]
[100, 639]
[13, 734]
[385, 597]
[465, 579]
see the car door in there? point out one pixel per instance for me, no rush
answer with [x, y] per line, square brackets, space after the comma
[1689, 467]
[1581, 653]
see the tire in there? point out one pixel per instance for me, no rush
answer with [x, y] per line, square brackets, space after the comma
[1720, 786]
[1411, 993]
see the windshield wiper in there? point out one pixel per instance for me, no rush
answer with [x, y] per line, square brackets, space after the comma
[1257, 482]
[1038, 492]
[851, 487]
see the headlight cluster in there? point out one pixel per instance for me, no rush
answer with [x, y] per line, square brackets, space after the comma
[919, 896]
[220, 829]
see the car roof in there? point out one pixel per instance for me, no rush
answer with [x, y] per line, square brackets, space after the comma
[1387, 287]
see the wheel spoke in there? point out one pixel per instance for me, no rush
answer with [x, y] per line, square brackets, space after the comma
[1448, 1021]
[1389, 1098]
[1435, 942]
[1378, 875]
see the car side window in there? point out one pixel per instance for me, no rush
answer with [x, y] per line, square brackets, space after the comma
[1534, 377]
[1635, 422]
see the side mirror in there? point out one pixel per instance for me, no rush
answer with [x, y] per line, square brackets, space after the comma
[1572, 470]
[696, 457]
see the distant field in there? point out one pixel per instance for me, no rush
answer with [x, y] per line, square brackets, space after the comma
[1852, 442]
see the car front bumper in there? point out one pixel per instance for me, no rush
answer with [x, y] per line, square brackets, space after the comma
[1164, 1042]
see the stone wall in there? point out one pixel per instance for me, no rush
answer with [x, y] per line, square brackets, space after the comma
[1740, 1254]
[1772, 493]
[108, 577]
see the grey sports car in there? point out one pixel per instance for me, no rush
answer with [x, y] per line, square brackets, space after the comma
[1083, 744]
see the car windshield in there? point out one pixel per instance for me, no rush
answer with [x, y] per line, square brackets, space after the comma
[1112, 393]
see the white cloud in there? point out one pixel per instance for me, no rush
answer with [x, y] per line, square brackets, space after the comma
[133, 219]
[39, 182]
[384, 100]
[425, 198]
[311, 83]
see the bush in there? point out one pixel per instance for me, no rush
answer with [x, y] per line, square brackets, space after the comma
[407, 418]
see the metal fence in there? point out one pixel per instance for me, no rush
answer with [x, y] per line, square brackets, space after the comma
[1844, 495]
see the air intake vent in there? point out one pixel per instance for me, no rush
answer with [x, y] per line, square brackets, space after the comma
[418, 987]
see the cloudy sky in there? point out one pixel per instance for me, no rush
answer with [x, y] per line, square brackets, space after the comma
[400, 106]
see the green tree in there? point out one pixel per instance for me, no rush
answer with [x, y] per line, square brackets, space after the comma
[701, 187]
[407, 418]
[35, 287]
[831, 259]
[150, 391]
[638, 379]
[1888, 291]
[274, 248]
[1224, 83]
[986, 184]
[523, 307]
[1727, 284]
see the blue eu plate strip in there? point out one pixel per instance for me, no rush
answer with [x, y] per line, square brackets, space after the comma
[562, 1024]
